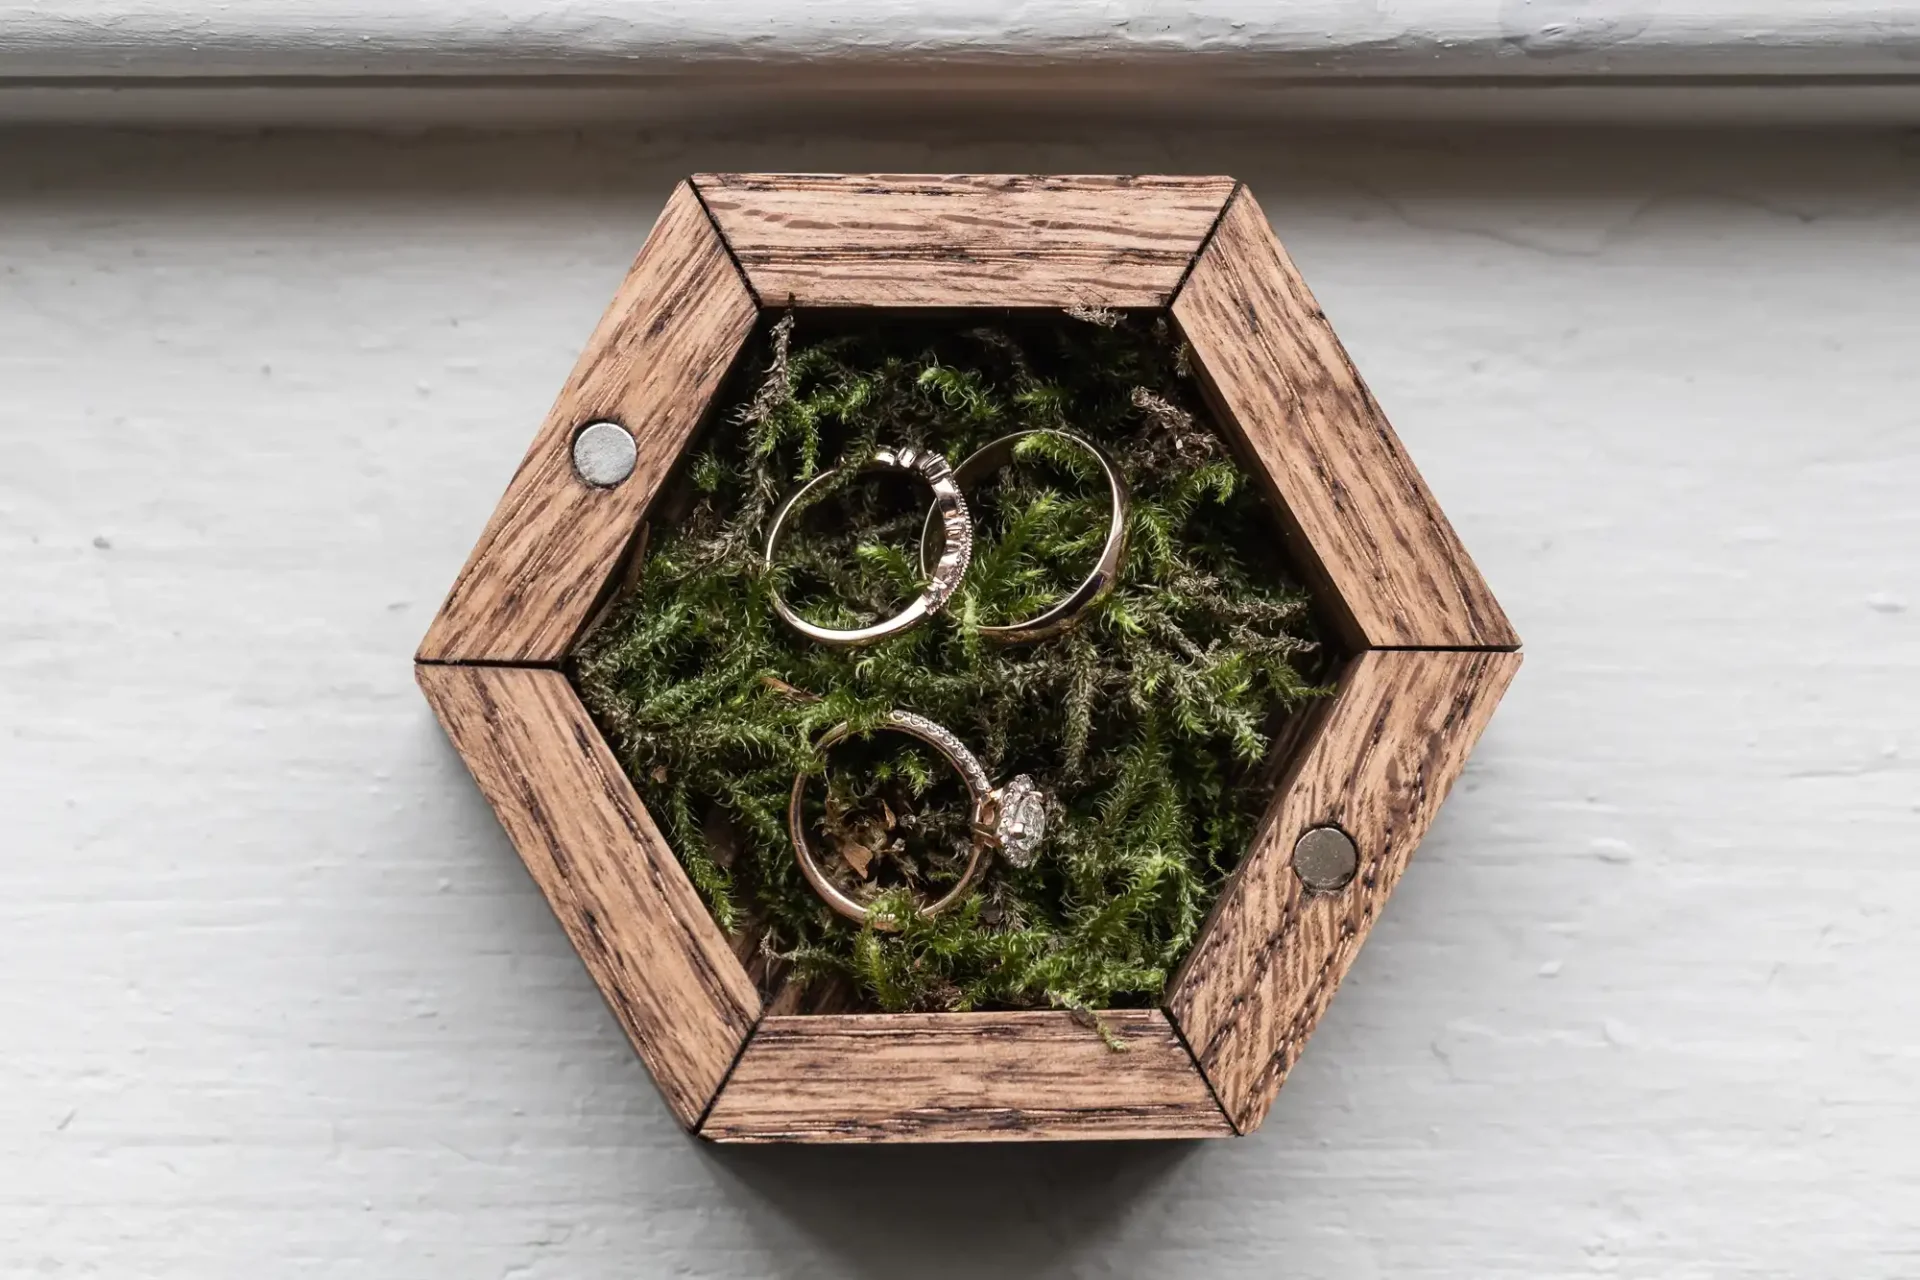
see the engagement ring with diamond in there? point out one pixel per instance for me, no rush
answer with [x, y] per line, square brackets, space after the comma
[1010, 818]
[943, 577]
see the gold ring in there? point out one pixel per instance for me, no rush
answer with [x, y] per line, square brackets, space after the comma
[1011, 819]
[1068, 611]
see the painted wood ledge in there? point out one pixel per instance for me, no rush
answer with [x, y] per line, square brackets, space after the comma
[354, 61]
[1321, 37]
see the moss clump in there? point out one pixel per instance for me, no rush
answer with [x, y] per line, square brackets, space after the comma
[1149, 723]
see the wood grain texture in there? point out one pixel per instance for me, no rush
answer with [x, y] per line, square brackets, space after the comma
[657, 955]
[1358, 515]
[652, 365]
[963, 1077]
[1378, 765]
[963, 240]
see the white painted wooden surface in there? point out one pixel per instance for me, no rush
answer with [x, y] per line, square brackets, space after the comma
[276, 1000]
[669, 62]
[1422, 37]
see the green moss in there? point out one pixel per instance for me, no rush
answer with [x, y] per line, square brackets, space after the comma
[1150, 723]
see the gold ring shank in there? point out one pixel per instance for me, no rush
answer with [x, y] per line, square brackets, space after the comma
[955, 754]
[949, 507]
[1066, 612]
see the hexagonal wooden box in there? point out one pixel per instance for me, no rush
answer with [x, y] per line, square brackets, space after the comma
[1427, 654]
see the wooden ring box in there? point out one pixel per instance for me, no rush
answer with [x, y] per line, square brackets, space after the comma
[1426, 655]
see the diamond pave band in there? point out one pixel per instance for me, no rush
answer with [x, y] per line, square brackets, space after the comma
[956, 522]
[943, 577]
[1012, 819]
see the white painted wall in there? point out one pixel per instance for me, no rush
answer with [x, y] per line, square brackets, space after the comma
[276, 999]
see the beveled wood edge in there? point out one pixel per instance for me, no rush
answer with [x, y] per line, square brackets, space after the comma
[688, 951]
[768, 1098]
[1247, 1107]
[481, 618]
[1377, 605]
[1015, 278]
